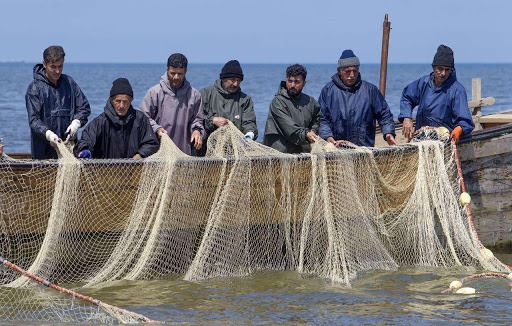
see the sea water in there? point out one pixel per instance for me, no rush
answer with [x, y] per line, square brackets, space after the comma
[407, 296]
[261, 82]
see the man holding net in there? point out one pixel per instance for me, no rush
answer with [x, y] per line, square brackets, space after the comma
[225, 101]
[293, 117]
[55, 104]
[120, 131]
[441, 100]
[175, 108]
[351, 106]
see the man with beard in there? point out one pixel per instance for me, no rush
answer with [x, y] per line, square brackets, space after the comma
[174, 107]
[440, 98]
[120, 131]
[294, 117]
[55, 105]
[225, 101]
[351, 106]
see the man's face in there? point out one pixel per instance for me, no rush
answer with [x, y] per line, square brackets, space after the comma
[441, 74]
[231, 84]
[294, 85]
[54, 70]
[121, 104]
[176, 76]
[349, 75]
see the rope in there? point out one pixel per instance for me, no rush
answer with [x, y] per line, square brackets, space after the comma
[96, 302]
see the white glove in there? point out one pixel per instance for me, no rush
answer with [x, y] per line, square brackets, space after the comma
[52, 137]
[73, 128]
[249, 135]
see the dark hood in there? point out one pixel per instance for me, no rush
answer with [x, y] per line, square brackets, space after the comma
[111, 115]
[39, 73]
[447, 83]
[339, 83]
[225, 93]
[283, 91]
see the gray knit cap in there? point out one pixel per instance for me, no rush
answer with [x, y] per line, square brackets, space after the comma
[348, 59]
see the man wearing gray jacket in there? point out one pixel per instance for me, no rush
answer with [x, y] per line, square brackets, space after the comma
[293, 117]
[175, 108]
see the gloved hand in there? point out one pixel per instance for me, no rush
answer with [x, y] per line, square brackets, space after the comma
[249, 135]
[85, 154]
[73, 128]
[456, 133]
[52, 137]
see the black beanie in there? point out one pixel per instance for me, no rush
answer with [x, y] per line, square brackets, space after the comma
[232, 69]
[443, 57]
[121, 86]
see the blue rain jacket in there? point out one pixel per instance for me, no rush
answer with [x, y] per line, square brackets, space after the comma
[350, 113]
[446, 105]
[52, 107]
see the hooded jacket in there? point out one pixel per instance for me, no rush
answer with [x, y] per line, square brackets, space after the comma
[111, 136]
[350, 113]
[237, 107]
[51, 107]
[289, 120]
[178, 111]
[446, 105]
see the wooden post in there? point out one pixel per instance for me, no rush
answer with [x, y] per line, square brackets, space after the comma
[386, 27]
[476, 94]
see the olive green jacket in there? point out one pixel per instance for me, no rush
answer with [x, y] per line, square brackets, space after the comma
[236, 107]
[289, 120]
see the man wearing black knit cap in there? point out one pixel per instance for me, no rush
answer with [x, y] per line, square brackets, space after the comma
[225, 101]
[441, 99]
[120, 131]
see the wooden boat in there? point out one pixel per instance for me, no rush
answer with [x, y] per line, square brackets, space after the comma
[486, 163]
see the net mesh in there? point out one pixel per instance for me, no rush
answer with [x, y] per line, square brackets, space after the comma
[244, 207]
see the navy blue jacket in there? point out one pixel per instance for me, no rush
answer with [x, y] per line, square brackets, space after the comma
[111, 136]
[446, 105]
[52, 107]
[350, 113]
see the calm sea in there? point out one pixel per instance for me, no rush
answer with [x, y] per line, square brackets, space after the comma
[407, 296]
[261, 82]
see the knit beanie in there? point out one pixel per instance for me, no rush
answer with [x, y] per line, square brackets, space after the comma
[232, 69]
[443, 57]
[121, 86]
[348, 59]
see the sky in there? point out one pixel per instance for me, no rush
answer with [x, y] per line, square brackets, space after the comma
[258, 31]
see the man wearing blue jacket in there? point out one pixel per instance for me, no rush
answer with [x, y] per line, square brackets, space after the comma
[441, 100]
[351, 106]
[55, 104]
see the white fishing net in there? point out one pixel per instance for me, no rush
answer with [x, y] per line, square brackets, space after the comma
[244, 207]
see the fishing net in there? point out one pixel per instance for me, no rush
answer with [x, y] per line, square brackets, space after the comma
[244, 207]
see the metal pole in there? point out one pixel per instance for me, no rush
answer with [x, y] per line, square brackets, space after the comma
[386, 27]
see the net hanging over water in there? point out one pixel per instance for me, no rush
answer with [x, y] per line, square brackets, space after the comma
[244, 207]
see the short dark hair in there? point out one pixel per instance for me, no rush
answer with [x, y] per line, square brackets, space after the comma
[53, 53]
[177, 60]
[296, 70]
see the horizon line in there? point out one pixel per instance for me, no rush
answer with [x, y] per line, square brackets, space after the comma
[248, 63]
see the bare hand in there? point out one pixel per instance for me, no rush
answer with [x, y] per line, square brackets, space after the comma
[137, 156]
[160, 131]
[391, 139]
[220, 121]
[311, 136]
[197, 139]
[1, 148]
[407, 129]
